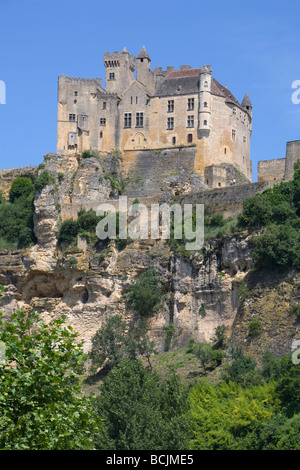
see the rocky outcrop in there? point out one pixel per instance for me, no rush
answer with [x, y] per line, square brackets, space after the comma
[87, 284]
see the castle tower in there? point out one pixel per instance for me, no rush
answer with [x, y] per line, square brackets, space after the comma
[143, 72]
[204, 121]
[246, 103]
[119, 68]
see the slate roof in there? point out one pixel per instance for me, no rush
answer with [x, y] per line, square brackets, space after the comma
[182, 82]
[143, 54]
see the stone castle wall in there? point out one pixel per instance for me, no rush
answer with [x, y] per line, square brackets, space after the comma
[271, 169]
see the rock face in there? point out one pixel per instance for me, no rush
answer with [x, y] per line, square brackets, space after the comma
[88, 285]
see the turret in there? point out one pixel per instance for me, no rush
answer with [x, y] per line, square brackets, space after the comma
[119, 68]
[246, 103]
[204, 121]
[143, 72]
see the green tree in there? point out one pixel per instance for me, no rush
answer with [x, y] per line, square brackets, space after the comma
[21, 187]
[140, 411]
[229, 417]
[68, 231]
[114, 341]
[41, 407]
[147, 293]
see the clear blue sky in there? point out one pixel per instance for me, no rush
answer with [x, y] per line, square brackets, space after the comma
[253, 46]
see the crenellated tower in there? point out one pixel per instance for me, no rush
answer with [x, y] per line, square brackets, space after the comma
[119, 69]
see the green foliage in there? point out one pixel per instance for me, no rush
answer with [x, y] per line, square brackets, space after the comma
[40, 403]
[89, 154]
[73, 262]
[68, 231]
[60, 177]
[254, 328]
[242, 371]
[16, 215]
[114, 342]
[278, 209]
[278, 246]
[227, 416]
[147, 293]
[202, 311]
[169, 335]
[140, 411]
[209, 357]
[43, 180]
[220, 338]
[21, 188]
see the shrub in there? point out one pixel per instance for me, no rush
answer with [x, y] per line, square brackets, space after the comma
[278, 246]
[254, 328]
[68, 231]
[21, 187]
[43, 180]
[147, 293]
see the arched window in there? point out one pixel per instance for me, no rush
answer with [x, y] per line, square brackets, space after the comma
[205, 122]
[205, 104]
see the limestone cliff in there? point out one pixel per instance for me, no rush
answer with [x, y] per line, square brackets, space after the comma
[88, 285]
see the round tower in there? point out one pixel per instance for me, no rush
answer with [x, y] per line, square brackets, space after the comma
[204, 121]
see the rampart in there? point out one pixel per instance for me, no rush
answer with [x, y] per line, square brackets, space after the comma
[271, 169]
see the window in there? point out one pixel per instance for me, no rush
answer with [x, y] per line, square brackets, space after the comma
[206, 83]
[170, 123]
[244, 141]
[112, 76]
[205, 122]
[72, 117]
[127, 120]
[103, 122]
[101, 134]
[191, 104]
[190, 121]
[136, 100]
[233, 134]
[76, 93]
[205, 104]
[104, 105]
[131, 100]
[173, 140]
[225, 150]
[170, 106]
[139, 119]
[190, 138]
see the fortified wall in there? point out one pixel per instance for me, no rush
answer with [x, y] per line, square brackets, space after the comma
[280, 168]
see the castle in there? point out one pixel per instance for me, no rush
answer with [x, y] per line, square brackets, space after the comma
[153, 110]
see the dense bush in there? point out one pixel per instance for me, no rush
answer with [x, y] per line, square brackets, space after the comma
[140, 411]
[147, 293]
[16, 215]
[114, 341]
[41, 402]
[43, 179]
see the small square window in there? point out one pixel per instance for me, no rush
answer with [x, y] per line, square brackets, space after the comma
[103, 122]
[72, 117]
[104, 105]
[111, 76]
